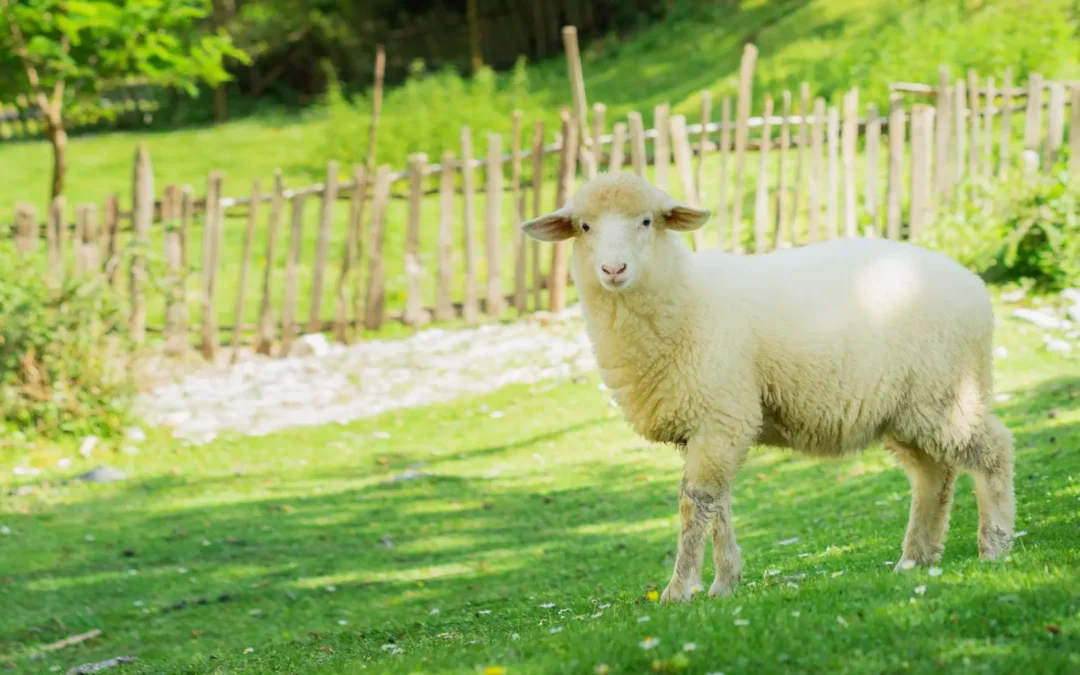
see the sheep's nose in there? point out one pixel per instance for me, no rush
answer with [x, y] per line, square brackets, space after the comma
[613, 271]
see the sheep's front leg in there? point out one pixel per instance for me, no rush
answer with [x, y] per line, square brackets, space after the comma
[704, 507]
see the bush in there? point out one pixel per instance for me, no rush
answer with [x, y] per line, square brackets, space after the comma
[62, 369]
[1029, 232]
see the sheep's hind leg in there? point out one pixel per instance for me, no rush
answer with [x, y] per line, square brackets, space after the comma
[992, 466]
[932, 485]
[704, 505]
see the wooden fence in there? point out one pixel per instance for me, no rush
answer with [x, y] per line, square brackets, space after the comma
[812, 183]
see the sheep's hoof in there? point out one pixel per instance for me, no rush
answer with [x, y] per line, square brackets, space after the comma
[721, 588]
[994, 543]
[677, 591]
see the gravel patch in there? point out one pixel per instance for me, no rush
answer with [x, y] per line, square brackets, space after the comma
[260, 395]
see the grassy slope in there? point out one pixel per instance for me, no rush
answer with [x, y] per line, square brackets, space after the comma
[555, 502]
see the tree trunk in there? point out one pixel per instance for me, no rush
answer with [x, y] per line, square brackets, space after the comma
[57, 136]
[474, 35]
[221, 111]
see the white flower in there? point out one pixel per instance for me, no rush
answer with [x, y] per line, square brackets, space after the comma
[515, 636]
[89, 537]
[556, 629]
[564, 610]
[934, 571]
[920, 589]
[772, 573]
[841, 620]
[642, 619]
[736, 611]
[649, 642]
[803, 555]
[689, 647]
[836, 574]
[742, 622]
[796, 613]
[907, 564]
[787, 542]
[605, 605]
[484, 611]
[4, 529]
[331, 589]
[342, 622]
[381, 434]
[248, 650]
[182, 570]
[138, 603]
[434, 610]
[597, 615]
[133, 572]
[497, 414]
[1019, 534]
[547, 605]
[792, 584]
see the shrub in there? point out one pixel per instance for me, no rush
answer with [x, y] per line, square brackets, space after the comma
[1030, 231]
[62, 368]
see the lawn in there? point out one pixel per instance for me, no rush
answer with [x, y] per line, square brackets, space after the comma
[531, 542]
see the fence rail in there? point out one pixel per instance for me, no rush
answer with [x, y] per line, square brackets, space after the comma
[820, 172]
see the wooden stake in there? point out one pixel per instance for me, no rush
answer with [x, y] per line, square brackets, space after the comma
[350, 258]
[849, 140]
[897, 124]
[557, 282]
[292, 275]
[414, 298]
[538, 208]
[782, 231]
[722, 189]
[26, 229]
[266, 311]
[833, 178]
[817, 171]
[326, 223]
[142, 217]
[801, 152]
[921, 135]
[1055, 127]
[1033, 116]
[373, 307]
[742, 137]
[637, 143]
[187, 215]
[496, 300]
[1005, 146]
[1074, 133]
[245, 263]
[598, 130]
[989, 109]
[761, 201]
[873, 142]
[111, 223]
[54, 232]
[376, 108]
[703, 145]
[618, 143]
[959, 109]
[943, 171]
[444, 308]
[211, 224]
[662, 146]
[471, 308]
[973, 123]
[577, 91]
[681, 145]
[517, 202]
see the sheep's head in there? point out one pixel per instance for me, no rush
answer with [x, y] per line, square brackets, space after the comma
[620, 222]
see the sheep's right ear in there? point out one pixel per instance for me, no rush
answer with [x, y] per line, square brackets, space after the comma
[555, 226]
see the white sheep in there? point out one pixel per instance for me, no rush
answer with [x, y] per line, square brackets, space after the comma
[824, 349]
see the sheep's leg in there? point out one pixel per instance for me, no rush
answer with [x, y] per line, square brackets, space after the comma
[932, 485]
[992, 467]
[704, 505]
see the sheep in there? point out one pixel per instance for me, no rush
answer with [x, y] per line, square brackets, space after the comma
[825, 349]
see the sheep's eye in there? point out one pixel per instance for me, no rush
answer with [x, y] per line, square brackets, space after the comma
[585, 227]
[647, 222]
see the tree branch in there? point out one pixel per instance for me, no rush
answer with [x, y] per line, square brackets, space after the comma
[20, 51]
[58, 88]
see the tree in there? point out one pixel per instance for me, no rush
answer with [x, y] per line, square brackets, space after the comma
[64, 54]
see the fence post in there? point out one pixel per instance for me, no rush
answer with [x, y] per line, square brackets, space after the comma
[894, 190]
[350, 257]
[680, 143]
[637, 143]
[850, 138]
[577, 90]
[111, 224]
[142, 217]
[922, 128]
[761, 200]
[414, 298]
[266, 311]
[56, 235]
[1055, 126]
[873, 144]
[326, 222]
[959, 110]
[471, 308]
[833, 178]
[973, 123]
[599, 109]
[444, 308]
[292, 275]
[1033, 118]
[26, 229]
[176, 339]
[742, 138]
[496, 301]
[1004, 147]
[618, 143]
[88, 247]
[557, 283]
[1074, 133]
[210, 259]
[817, 169]
[703, 145]
[373, 308]
[989, 110]
[782, 225]
[538, 208]
[943, 171]
[245, 264]
[517, 203]
[722, 212]
[662, 146]
[800, 161]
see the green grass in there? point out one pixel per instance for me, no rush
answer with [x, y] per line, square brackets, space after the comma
[554, 502]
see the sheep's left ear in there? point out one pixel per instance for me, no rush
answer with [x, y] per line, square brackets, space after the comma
[683, 218]
[555, 226]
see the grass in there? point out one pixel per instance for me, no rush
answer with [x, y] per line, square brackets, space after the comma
[297, 546]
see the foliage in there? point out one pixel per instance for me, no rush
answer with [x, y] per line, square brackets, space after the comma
[1029, 231]
[308, 551]
[61, 363]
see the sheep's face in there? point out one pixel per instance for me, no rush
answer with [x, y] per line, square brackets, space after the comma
[618, 221]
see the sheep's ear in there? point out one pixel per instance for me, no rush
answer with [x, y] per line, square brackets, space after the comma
[683, 218]
[555, 226]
